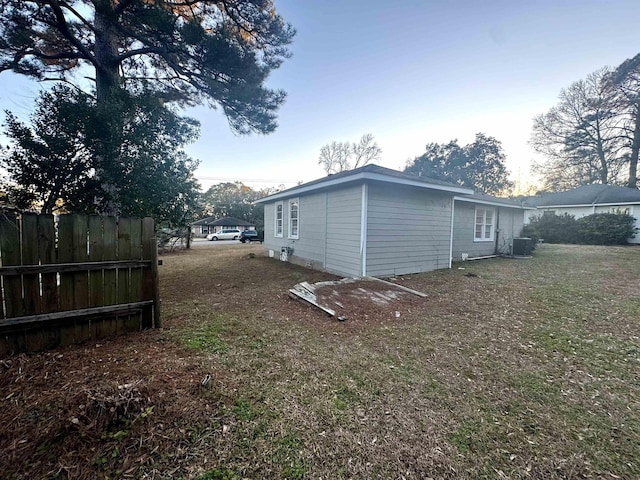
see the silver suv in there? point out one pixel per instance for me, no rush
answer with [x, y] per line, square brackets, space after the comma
[230, 234]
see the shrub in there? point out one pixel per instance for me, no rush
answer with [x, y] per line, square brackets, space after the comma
[553, 228]
[596, 229]
[606, 229]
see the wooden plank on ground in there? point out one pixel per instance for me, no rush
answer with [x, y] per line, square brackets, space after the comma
[304, 294]
[400, 287]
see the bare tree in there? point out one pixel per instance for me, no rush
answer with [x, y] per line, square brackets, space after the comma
[583, 136]
[338, 157]
[626, 80]
[365, 151]
[334, 157]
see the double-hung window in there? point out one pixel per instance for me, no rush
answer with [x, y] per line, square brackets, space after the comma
[485, 224]
[294, 217]
[279, 215]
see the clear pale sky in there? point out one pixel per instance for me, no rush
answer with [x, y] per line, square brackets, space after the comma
[409, 72]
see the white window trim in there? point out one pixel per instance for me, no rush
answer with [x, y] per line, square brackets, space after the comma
[291, 202]
[275, 220]
[484, 223]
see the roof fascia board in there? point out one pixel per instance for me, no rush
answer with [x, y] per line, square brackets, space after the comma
[589, 205]
[495, 204]
[414, 183]
[361, 176]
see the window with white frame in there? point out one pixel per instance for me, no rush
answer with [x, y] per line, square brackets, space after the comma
[278, 219]
[621, 210]
[294, 214]
[485, 223]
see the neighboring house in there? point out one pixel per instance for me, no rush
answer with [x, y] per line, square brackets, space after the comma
[380, 222]
[587, 200]
[204, 227]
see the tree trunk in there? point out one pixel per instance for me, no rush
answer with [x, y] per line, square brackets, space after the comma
[106, 53]
[108, 82]
[635, 150]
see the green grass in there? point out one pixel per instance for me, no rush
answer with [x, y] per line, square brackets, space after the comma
[527, 370]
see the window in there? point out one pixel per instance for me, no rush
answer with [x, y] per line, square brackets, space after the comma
[294, 211]
[484, 224]
[621, 210]
[279, 214]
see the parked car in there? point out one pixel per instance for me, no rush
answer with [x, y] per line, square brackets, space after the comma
[249, 236]
[230, 234]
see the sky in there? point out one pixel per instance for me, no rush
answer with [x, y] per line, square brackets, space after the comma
[409, 72]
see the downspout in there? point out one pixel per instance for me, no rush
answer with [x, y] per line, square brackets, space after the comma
[326, 228]
[453, 203]
[363, 229]
[495, 252]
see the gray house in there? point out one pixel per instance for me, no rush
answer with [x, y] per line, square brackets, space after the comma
[208, 225]
[379, 222]
[587, 200]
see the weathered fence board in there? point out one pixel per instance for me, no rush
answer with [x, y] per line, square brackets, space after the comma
[75, 277]
[10, 248]
[47, 254]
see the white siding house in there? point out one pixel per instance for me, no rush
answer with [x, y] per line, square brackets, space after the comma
[380, 222]
[587, 200]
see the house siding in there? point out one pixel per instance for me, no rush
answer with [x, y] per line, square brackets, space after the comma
[408, 230]
[344, 214]
[309, 247]
[510, 223]
[270, 242]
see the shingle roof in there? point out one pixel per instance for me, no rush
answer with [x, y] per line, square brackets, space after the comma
[369, 171]
[482, 198]
[223, 222]
[587, 195]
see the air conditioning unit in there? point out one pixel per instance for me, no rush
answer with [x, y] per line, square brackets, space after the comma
[522, 247]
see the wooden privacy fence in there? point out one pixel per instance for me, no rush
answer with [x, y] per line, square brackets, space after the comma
[72, 278]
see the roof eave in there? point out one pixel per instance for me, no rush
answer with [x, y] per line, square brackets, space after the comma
[489, 202]
[362, 176]
[608, 204]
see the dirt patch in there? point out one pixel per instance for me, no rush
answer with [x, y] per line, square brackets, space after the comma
[362, 301]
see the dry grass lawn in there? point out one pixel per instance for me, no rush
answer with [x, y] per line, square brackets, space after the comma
[509, 369]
